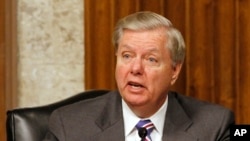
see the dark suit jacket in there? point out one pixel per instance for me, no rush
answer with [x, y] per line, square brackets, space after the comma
[101, 119]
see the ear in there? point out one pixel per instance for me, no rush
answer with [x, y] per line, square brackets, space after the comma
[176, 72]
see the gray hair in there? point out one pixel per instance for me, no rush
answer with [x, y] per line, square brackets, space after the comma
[147, 21]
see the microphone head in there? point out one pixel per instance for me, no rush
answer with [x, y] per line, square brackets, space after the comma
[142, 132]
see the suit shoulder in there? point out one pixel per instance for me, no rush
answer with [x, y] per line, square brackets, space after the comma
[194, 106]
[90, 106]
[209, 121]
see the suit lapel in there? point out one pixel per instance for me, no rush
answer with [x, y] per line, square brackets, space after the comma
[177, 122]
[111, 121]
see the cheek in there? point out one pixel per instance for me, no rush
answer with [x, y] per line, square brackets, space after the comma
[120, 72]
[160, 77]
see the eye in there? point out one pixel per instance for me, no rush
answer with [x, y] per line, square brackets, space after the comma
[126, 56]
[153, 60]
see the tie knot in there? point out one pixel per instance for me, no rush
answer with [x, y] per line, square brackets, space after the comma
[145, 127]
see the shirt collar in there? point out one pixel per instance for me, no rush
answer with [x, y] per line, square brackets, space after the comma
[130, 119]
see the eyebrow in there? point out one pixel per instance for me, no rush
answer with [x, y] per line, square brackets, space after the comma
[150, 49]
[153, 50]
[126, 46]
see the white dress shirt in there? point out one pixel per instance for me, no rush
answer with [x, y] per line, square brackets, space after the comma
[130, 120]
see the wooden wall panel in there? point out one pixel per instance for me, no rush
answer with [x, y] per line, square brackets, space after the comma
[200, 50]
[243, 94]
[124, 9]
[7, 61]
[98, 22]
[224, 42]
[217, 36]
[2, 71]
[151, 5]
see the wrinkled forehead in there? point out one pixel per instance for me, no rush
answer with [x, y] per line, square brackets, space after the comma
[159, 32]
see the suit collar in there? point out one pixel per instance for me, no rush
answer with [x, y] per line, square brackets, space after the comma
[177, 121]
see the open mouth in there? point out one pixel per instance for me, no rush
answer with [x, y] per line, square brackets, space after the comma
[134, 84]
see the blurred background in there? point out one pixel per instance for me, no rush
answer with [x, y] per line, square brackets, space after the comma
[53, 49]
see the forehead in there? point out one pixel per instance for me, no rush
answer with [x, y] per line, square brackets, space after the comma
[160, 32]
[143, 38]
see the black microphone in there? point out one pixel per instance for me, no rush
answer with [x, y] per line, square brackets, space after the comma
[142, 133]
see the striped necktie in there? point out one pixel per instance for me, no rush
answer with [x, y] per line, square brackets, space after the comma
[145, 127]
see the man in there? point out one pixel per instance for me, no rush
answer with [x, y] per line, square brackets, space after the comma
[150, 53]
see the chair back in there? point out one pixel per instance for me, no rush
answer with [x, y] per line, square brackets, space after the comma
[31, 124]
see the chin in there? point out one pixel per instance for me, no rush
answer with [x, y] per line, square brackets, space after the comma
[135, 100]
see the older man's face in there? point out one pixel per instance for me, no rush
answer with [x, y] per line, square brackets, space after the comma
[144, 69]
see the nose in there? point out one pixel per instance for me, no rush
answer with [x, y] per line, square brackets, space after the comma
[137, 67]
